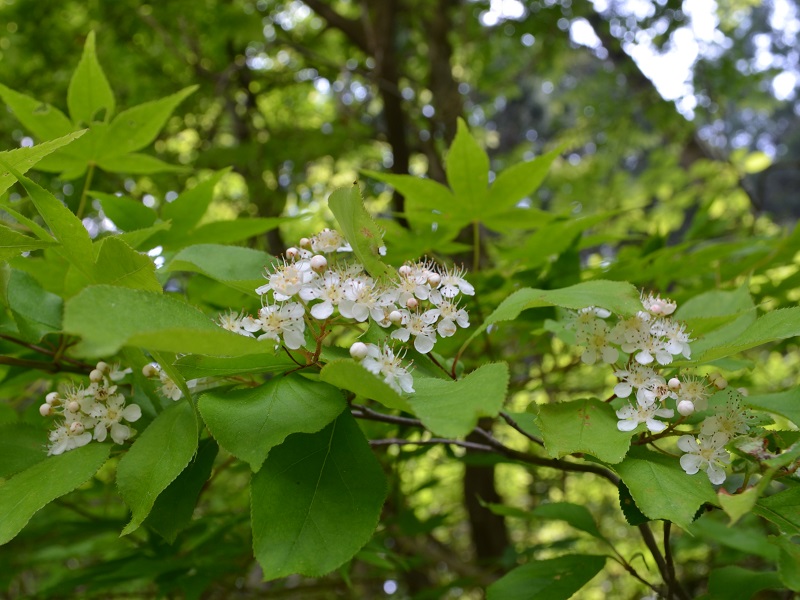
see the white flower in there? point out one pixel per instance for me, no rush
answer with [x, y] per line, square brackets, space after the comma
[327, 240]
[420, 325]
[63, 439]
[630, 416]
[707, 453]
[169, 389]
[283, 320]
[109, 417]
[235, 322]
[597, 343]
[452, 283]
[115, 373]
[658, 306]
[359, 300]
[450, 315]
[330, 289]
[287, 280]
[731, 423]
[644, 379]
[384, 363]
[675, 336]
[694, 390]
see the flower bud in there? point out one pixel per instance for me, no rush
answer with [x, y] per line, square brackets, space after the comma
[73, 406]
[318, 263]
[434, 279]
[720, 383]
[76, 427]
[674, 383]
[305, 242]
[102, 366]
[52, 398]
[291, 253]
[358, 350]
[405, 270]
[395, 316]
[96, 375]
[412, 303]
[45, 410]
[685, 407]
[150, 370]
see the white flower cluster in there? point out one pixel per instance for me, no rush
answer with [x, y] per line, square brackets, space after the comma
[169, 389]
[318, 280]
[94, 412]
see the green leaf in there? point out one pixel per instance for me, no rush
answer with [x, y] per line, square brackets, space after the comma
[241, 268]
[139, 237]
[575, 515]
[783, 509]
[156, 459]
[249, 422]
[88, 91]
[750, 541]
[127, 214]
[553, 579]
[76, 245]
[12, 243]
[194, 366]
[21, 447]
[452, 408]
[27, 492]
[316, 501]
[36, 311]
[120, 265]
[137, 127]
[359, 229]
[527, 422]
[136, 163]
[519, 181]
[786, 404]
[467, 167]
[349, 375]
[423, 197]
[629, 509]
[738, 505]
[108, 318]
[188, 208]
[617, 296]
[23, 159]
[775, 325]
[228, 232]
[788, 561]
[588, 426]
[43, 120]
[661, 489]
[172, 511]
[725, 583]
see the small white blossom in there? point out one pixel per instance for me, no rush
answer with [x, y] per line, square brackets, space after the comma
[707, 453]
[630, 416]
[449, 314]
[283, 321]
[420, 325]
[235, 322]
[452, 283]
[327, 241]
[657, 306]
[109, 418]
[383, 362]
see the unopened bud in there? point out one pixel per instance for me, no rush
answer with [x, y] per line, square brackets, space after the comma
[150, 370]
[76, 427]
[45, 410]
[102, 366]
[318, 263]
[720, 383]
[96, 375]
[395, 316]
[743, 391]
[655, 309]
[305, 242]
[412, 303]
[358, 350]
[434, 279]
[405, 270]
[685, 407]
[291, 253]
[52, 398]
[73, 406]
[674, 383]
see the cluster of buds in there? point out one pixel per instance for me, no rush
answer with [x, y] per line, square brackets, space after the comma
[94, 412]
[649, 340]
[320, 280]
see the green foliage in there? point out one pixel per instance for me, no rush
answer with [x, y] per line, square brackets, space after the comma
[553, 579]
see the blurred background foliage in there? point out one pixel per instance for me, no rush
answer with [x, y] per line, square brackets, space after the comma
[679, 171]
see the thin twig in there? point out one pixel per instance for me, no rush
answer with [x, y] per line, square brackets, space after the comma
[431, 442]
[514, 425]
[438, 364]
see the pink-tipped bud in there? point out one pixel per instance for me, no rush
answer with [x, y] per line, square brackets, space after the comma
[150, 370]
[412, 303]
[359, 350]
[96, 375]
[304, 242]
[52, 398]
[674, 383]
[45, 410]
[655, 309]
[77, 427]
[434, 279]
[405, 270]
[291, 253]
[685, 407]
[73, 406]
[318, 263]
[102, 366]
[395, 316]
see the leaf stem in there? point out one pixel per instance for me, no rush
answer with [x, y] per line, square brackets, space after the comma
[476, 246]
[86, 185]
